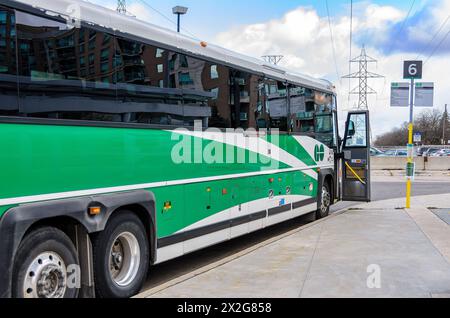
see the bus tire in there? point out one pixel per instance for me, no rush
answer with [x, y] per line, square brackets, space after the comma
[324, 202]
[41, 266]
[121, 257]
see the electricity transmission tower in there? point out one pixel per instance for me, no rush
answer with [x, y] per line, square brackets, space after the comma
[273, 59]
[121, 6]
[363, 75]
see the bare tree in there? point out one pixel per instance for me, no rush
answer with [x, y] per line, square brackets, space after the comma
[428, 123]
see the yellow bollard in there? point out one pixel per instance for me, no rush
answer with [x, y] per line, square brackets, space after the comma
[408, 194]
[410, 160]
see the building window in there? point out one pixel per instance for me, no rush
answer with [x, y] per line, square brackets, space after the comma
[183, 61]
[172, 61]
[106, 38]
[159, 53]
[105, 54]
[185, 79]
[160, 68]
[105, 67]
[161, 83]
[92, 43]
[215, 92]
[214, 72]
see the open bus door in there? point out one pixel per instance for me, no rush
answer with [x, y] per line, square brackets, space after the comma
[356, 159]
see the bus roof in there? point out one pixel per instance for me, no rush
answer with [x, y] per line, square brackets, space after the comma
[107, 18]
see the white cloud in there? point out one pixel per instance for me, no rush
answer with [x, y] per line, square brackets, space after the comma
[303, 37]
[380, 16]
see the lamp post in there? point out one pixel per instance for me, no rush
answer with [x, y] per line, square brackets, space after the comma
[179, 11]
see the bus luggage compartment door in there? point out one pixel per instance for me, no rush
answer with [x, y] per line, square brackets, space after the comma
[356, 162]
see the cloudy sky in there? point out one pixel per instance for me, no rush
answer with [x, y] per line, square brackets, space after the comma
[391, 31]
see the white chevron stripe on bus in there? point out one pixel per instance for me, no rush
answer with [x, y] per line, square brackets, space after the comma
[254, 144]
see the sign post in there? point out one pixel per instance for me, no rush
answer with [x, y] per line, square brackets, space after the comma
[411, 70]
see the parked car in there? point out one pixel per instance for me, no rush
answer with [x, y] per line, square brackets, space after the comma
[442, 153]
[374, 152]
[430, 152]
[422, 150]
[396, 153]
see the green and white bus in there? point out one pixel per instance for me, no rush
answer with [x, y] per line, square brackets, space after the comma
[125, 145]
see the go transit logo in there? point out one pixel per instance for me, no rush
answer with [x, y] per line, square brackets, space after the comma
[319, 153]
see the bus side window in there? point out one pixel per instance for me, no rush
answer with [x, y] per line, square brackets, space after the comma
[56, 60]
[8, 70]
[275, 105]
[324, 119]
[302, 110]
[215, 78]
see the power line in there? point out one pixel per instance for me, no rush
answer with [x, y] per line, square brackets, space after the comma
[350, 56]
[403, 25]
[434, 37]
[332, 41]
[437, 47]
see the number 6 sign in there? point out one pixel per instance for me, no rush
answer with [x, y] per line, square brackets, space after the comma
[412, 70]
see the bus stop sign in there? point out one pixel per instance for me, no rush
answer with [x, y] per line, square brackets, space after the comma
[412, 69]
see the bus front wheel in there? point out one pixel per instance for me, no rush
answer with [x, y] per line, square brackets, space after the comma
[42, 266]
[324, 202]
[121, 257]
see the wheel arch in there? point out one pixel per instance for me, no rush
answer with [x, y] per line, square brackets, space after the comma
[328, 176]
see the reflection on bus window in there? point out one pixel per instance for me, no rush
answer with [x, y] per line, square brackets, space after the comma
[86, 73]
[8, 79]
[312, 114]
[357, 131]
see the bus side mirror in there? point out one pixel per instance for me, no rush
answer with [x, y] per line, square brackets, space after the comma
[351, 129]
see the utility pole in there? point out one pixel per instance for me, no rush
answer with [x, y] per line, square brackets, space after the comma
[121, 6]
[273, 59]
[363, 75]
[444, 126]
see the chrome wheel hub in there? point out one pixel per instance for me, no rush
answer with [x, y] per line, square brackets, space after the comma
[326, 200]
[124, 259]
[46, 277]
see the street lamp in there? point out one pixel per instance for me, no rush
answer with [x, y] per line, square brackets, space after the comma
[179, 11]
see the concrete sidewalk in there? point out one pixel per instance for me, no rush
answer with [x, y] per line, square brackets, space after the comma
[407, 252]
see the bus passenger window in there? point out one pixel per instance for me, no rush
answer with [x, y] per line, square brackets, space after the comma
[8, 71]
[52, 65]
[276, 104]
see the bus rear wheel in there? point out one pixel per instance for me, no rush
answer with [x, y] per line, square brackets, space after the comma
[121, 257]
[41, 265]
[324, 202]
